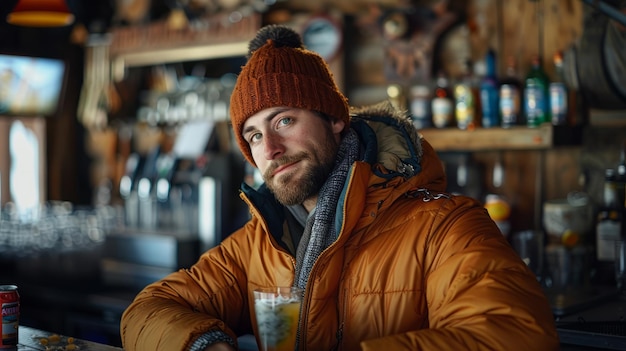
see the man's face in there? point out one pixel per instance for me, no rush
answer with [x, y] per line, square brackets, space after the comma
[294, 150]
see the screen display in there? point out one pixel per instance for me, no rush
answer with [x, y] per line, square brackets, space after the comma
[30, 86]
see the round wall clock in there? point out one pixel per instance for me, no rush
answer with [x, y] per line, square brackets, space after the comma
[323, 35]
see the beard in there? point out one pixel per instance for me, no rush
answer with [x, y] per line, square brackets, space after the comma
[290, 188]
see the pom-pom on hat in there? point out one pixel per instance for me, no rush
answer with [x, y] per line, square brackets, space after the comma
[281, 72]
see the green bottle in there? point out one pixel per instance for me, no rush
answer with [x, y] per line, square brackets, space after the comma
[536, 95]
[465, 99]
[559, 93]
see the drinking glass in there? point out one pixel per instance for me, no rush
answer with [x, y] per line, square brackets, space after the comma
[529, 244]
[277, 312]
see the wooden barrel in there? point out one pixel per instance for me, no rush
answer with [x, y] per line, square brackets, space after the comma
[598, 63]
[615, 55]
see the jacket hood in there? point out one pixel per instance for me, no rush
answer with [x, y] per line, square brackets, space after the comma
[397, 145]
[394, 147]
[397, 163]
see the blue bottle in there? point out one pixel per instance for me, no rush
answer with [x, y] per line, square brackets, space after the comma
[489, 93]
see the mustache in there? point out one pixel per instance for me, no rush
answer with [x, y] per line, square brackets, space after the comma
[281, 161]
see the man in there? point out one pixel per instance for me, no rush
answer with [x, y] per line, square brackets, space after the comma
[353, 209]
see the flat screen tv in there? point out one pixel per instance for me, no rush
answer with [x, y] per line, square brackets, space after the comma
[30, 85]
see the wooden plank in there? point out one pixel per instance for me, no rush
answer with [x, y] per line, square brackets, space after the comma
[527, 28]
[514, 138]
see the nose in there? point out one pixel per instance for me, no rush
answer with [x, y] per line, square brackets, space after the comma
[273, 146]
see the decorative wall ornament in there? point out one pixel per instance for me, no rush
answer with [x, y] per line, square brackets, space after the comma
[411, 36]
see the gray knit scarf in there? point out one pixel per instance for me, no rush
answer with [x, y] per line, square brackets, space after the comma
[319, 231]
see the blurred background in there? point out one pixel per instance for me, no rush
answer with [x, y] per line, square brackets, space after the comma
[117, 163]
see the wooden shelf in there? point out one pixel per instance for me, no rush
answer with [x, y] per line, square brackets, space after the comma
[212, 37]
[120, 62]
[480, 139]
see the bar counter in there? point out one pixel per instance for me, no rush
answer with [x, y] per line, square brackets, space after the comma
[31, 339]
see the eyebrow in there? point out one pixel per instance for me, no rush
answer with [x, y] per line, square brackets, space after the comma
[267, 118]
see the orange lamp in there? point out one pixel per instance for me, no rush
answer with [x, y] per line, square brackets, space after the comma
[41, 13]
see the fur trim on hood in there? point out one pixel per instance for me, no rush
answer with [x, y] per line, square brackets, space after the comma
[398, 143]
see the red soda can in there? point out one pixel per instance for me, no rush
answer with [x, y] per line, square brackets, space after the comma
[10, 304]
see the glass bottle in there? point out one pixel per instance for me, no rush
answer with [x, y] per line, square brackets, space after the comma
[620, 254]
[558, 93]
[442, 104]
[497, 205]
[464, 100]
[396, 96]
[421, 100]
[489, 93]
[536, 98]
[608, 227]
[510, 104]
[621, 179]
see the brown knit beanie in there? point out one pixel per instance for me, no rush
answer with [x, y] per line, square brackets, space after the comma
[281, 72]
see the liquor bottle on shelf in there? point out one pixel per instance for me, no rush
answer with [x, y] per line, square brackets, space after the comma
[497, 205]
[559, 94]
[510, 96]
[489, 93]
[421, 100]
[465, 101]
[442, 103]
[610, 221]
[536, 98]
[621, 183]
[620, 249]
[396, 96]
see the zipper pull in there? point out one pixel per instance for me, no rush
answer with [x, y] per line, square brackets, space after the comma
[425, 194]
[339, 337]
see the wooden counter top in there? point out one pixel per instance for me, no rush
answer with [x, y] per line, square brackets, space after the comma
[30, 339]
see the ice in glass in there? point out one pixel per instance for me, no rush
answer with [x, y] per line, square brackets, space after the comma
[277, 314]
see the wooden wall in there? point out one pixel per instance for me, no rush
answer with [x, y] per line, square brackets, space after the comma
[512, 28]
[509, 27]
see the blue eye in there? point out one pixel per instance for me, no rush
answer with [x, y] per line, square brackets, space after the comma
[285, 121]
[254, 137]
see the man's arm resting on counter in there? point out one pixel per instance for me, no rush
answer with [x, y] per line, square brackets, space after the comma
[213, 341]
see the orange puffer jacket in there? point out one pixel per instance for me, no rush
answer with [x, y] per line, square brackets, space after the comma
[413, 268]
